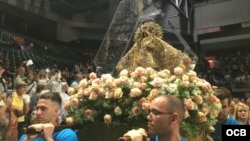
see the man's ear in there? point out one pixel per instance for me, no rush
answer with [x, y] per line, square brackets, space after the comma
[175, 118]
[57, 112]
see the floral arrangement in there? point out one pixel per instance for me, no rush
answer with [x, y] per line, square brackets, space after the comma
[126, 98]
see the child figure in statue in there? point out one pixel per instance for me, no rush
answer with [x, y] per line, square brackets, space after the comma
[149, 50]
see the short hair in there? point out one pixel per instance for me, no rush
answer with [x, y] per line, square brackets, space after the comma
[53, 96]
[223, 93]
[40, 87]
[20, 84]
[174, 104]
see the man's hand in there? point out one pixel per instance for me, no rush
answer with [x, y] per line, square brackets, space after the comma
[46, 129]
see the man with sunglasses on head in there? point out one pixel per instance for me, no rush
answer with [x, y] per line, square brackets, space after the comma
[164, 119]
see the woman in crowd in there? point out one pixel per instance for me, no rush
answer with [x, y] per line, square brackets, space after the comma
[8, 120]
[242, 113]
[20, 104]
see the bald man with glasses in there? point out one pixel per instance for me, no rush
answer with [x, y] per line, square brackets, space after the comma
[164, 119]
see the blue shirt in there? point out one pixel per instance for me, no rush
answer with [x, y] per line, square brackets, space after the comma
[217, 134]
[155, 138]
[62, 135]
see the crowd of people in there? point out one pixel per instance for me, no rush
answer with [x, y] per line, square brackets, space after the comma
[28, 97]
[34, 98]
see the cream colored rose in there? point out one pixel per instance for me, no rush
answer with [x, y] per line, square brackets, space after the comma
[100, 92]
[189, 104]
[185, 84]
[157, 82]
[153, 93]
[143, 86]
[133, 75]
[124, 80]
[89, 112]
[140, 71]
[87, 91]
[143, 79]
[109, 82]
[139, 85]
[185, 78]
[118, 111]
[172, 87]
[191, 73]
[104, 77]
[136, 84]
[109, 94]
[117, 83]
[202, 117]
[67, 105]
[205, 110]
[172, 78]
[95, 87]
[198, 99]
[83, 83]
[74, 101]
[164, 73]
[212, 98]
[118, 93]
[107, 119]
[149, 71]
[79, 95]
[71, 91]
[178, 71]
[135, 92]
[93, 96]
[92, 76]
[124, 73]
[136, 110]
[70, 121]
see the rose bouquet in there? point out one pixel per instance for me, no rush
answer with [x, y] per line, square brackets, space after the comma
[125, 99]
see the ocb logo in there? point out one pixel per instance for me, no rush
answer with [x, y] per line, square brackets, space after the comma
[236, 132]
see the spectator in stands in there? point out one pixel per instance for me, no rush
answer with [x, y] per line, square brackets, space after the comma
[20, 104]
[31, 83]
[241, 113]
[78, 78]
[65, 97]
[2, 80]
[42, 77]
[224, 118]
[9, 71]
[20, 75]
[8, 122]
[54, 82]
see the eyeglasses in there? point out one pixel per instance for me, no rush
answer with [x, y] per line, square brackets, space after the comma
[156, 112]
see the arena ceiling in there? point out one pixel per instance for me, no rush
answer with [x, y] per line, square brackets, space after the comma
[15, 17]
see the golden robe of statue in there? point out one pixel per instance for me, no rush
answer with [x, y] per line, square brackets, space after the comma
[150, 50]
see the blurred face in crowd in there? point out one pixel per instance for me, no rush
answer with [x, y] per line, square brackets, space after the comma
[225, 110]
[21, 90]
[242, 112]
